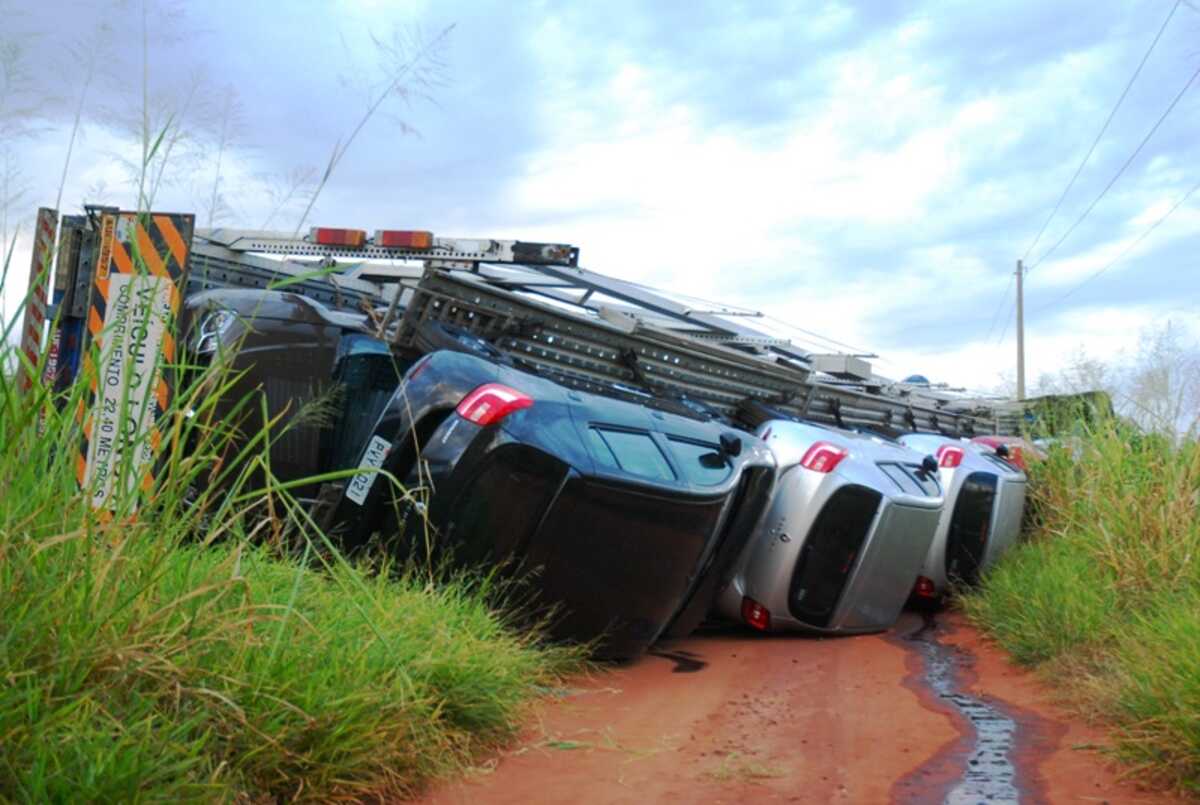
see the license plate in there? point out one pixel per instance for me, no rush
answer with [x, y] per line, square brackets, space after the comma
[361, 484]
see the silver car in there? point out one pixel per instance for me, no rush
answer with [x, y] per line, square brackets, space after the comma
[849, 523]
[985, 499]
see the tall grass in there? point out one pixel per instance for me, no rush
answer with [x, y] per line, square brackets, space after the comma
[204, 641]
[1105, 596]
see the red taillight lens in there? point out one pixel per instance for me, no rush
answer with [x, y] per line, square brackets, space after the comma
[1016, 455]
[491, 403]
[823, 457]
[924, 588]
[949, 456]
[755, 614]
[403, 239]
[326, 236]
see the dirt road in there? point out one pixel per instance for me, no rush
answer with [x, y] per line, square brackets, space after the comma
[927, 713]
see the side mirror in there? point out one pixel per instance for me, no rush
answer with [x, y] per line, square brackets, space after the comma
[929, 465]
[731, 444]
[1002, 451]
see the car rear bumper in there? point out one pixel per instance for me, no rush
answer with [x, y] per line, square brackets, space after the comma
[871, 594]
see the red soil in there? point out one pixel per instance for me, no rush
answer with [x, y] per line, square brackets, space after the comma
[745, 718]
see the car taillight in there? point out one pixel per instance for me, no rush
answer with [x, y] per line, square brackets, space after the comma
[327, 236]
[823, 457]
[492, 402]
[755, 614]
[924, 588]
[949, 456]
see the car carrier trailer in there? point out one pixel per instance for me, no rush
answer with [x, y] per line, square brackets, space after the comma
[534, 302]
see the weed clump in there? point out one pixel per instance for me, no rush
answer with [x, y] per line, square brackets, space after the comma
[199, 638]
[1105, 595]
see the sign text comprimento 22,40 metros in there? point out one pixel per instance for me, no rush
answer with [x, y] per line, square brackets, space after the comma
[138, 283]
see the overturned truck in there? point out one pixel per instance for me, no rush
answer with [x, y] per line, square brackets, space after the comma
[560, 409]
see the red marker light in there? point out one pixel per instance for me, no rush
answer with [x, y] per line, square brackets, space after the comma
[755, 615]
[491, 403]
[949, 456]
[325, 236]
[823, 457]
[924, 588]
[403, 239]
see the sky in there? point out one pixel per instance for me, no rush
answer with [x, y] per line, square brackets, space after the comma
[867, 171]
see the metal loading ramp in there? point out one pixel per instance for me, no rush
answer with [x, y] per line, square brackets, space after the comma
[586, 345]
[588, 331]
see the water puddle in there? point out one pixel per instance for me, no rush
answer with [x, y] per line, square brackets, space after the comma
[989, 775]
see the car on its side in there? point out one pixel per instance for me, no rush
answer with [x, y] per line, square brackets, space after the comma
[849, 525]
[985, 501]
[1013, 449]
[626, 519]
[286, 355]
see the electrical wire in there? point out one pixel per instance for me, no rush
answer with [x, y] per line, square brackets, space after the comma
[1118, 174]
[1012, 308]
[818, 336]
[1003, 298]
[1103, 129]
[1123, 253]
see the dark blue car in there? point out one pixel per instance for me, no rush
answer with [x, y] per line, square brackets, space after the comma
[627, 519]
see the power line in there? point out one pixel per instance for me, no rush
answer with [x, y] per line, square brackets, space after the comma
[1011, 309]
[716, 308]
[836, 343]
[1118, 174]
[999, 307]
[1124, 252]
[1103, 129]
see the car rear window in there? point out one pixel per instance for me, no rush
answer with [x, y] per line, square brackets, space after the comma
[634, 452]
[1002, 463]
[911, 479]
[901, 478]
[701, 463]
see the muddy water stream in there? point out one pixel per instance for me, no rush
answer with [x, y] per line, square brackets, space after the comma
[988, 775]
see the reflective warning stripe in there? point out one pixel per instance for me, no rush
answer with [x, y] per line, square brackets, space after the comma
[136, 294]
[35, 301]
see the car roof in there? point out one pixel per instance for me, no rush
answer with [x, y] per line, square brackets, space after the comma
[801, 435]
[615, 411]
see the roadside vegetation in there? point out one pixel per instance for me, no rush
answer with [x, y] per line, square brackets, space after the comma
[1104, 598]
[198, 638]
[204, 641]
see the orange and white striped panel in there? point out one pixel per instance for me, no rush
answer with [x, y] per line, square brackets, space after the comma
[36, 298]
[137, 285]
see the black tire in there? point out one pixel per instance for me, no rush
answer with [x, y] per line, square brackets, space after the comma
[433, 336]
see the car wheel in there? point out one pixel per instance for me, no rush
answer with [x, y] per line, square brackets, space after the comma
[436, 335]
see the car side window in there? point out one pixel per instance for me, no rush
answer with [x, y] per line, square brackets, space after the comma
[635, 453]
[702, 463]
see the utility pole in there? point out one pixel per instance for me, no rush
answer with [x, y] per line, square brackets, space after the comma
[1020, 332]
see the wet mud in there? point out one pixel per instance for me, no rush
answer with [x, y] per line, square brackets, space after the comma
[931, 713]
[988, 771]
